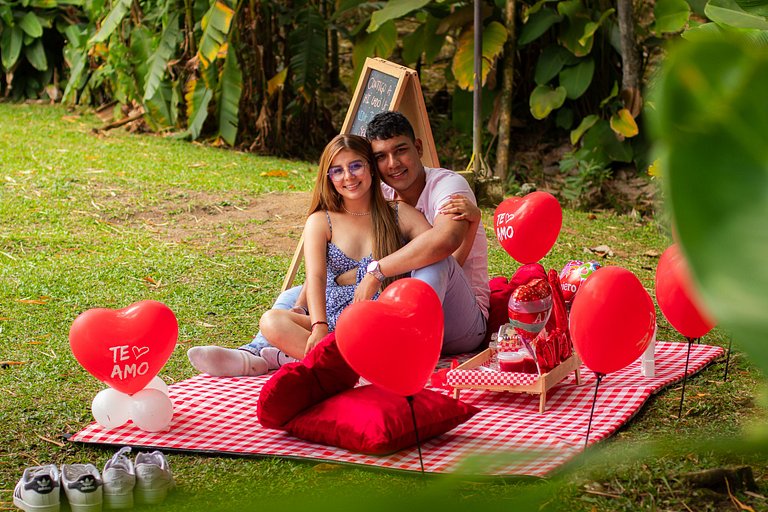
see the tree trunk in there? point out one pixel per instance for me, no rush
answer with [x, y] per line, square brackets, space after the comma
[332, 79]
[631, 71]
[507, 88]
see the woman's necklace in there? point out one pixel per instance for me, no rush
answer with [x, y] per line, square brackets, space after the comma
[355, 213]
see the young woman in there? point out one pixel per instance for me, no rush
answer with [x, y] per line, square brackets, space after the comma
[350, 224]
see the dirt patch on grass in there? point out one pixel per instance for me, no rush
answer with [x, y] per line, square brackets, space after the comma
[269, 224]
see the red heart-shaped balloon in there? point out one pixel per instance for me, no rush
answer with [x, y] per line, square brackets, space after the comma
[395, 341]
[527, 227]
[125, 348]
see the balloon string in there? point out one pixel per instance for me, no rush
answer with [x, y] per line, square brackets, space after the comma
[416, 431]
[592, 412]
[728, 358]
[685, 377]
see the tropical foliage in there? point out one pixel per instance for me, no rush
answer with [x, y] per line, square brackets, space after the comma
[32, 35]
[265, 75]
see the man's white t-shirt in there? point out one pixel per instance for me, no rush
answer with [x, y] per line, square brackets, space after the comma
[441, 184]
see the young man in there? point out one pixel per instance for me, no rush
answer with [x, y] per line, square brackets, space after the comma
[462, 289]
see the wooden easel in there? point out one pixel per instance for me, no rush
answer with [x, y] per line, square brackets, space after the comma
[382, 86]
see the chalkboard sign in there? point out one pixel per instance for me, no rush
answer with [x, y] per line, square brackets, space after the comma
[383, 86]
[378, 92]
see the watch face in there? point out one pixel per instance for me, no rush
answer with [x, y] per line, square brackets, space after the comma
[373, 266]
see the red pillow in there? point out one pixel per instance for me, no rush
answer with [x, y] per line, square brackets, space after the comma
[371, 420]
[298, 386]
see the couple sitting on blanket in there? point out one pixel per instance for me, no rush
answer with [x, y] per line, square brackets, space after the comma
[355, 244]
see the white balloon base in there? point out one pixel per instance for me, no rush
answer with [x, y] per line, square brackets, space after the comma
[150, 409]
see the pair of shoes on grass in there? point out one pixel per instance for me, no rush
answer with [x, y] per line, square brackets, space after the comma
[148, 479]
[86, 490]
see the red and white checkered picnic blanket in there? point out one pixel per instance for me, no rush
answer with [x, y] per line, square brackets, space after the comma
[218, 415]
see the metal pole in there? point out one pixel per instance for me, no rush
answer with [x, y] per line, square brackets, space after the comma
[685, 377]
[477, 141]
[599, 377]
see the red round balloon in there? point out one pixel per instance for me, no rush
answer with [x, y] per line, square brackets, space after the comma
[612, 320]
[125, 348]
[394, 342]
[527, 227]
[677, 296]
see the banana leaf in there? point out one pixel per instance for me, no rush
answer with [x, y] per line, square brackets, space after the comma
[392, 10]
[216, 25]
[197, 98]
[111, 22]
[231, 83]
[80, 60]
[158, 62]
[494, 37]
[307, 46]
[380, 44]
[424, 40]
[157, 107]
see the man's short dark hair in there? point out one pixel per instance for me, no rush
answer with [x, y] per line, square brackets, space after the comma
[386, 125]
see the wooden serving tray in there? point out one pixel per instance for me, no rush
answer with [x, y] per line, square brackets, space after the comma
[538, 385]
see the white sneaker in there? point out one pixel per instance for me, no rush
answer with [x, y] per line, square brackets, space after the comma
[119, 478]
[38, 490]
[83, 487]
[153, 478]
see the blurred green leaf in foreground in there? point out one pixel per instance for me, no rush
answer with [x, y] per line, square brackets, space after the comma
[712, 130]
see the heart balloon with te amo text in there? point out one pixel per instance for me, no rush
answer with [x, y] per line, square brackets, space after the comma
[677, 296]
[125, 348]
[527, 227]
[612, 320]
[394, 342]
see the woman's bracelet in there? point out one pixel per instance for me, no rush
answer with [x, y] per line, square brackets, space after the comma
[320, 322]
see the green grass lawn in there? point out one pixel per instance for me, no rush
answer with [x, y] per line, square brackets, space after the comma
[75, 234]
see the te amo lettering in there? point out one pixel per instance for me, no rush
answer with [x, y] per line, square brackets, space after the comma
[129, 371]
[504, 232]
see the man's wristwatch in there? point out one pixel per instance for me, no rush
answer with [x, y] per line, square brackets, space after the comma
[375, 269]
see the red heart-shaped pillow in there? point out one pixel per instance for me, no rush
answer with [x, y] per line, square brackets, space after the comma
[125, 348]
[296, 387]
